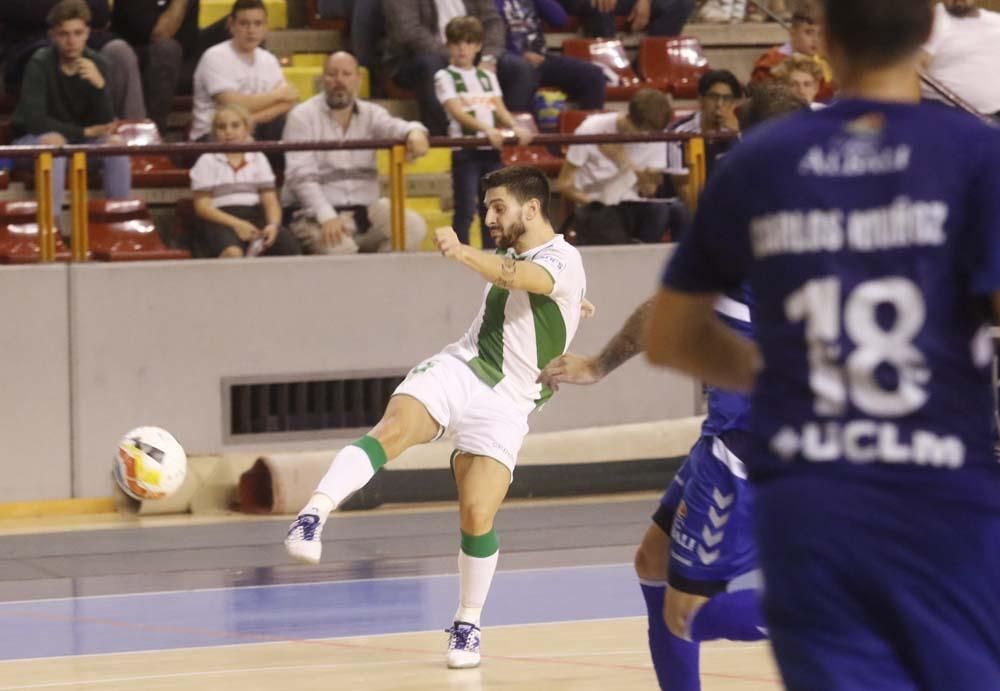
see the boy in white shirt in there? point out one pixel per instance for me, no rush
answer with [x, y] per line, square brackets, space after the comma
[240, 71]
[474, 103]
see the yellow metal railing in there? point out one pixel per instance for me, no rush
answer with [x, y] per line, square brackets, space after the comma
[695, 158]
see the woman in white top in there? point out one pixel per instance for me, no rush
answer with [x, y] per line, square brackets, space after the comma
[234, 196]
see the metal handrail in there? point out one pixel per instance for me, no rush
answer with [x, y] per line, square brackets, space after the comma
[397, 175]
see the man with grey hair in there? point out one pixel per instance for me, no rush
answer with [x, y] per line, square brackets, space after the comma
[334, 195]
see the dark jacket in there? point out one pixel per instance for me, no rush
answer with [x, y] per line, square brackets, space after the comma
[412, 27]
[134, 20]
[51, 101]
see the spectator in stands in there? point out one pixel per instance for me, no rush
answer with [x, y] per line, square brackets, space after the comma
[963, 55]
[803, 40]
[332, 197]
[719, 94]
[64, 98]
[235, 198]
[416, 42]
[25, 30]
[614, 184]
[366, 26]
[240, 71]
[655, 17]
[167, 40]
[803, 75]
[583, 82]
[472, 98]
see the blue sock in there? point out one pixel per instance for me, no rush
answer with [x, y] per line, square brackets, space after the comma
[736, 616]
[674, 659]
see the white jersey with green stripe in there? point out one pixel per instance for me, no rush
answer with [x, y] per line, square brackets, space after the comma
[517, 333]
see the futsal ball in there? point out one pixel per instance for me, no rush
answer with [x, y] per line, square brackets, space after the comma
[149, 464]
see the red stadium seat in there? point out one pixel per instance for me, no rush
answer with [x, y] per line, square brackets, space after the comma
[4, 179]
[19, 234]
[154, 170]
[122, 230]
[610, 56]
[532, 155]
[674, 64]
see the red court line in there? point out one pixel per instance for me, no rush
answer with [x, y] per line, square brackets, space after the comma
[266, 638]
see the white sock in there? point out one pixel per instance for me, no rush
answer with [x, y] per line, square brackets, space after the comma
[350, 471]
[475, 574]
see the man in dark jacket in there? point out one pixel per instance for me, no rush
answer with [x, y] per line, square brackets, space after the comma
[416, 42]
[25, 30]
[166, 37]
[65, 98]
[582, 81]
[654, 17]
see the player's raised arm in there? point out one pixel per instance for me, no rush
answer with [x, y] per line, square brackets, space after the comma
[686, 334]
[623, 346]
[503, 271]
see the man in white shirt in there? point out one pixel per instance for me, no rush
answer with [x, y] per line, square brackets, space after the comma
[614, 184]
[334, 195]
[963, 54]
[240, 71]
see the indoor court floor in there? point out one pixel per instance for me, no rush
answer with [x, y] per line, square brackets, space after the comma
[196, 602]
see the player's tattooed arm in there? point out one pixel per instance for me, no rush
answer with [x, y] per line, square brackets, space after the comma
[508, 273]
[628, 342]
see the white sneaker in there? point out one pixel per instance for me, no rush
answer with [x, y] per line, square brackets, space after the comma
[303, 540]
[716, 12]
[463, 645]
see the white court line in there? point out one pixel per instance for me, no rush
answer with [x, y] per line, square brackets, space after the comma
[308, 583]
[286, 641]
[208, 673]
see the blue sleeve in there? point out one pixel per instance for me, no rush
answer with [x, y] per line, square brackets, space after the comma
[983, 252]
[714, 255]
[552, 12]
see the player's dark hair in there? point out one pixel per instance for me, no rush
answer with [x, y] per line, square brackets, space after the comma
[650, 110]
[876, 33]
[524, 183]
[768, 100]
[67, 10]
[241, 5]
[464, 29]
[713, 77]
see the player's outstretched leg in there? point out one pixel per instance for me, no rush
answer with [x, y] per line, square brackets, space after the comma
[482, 485]
[406, 423]
[674, 659]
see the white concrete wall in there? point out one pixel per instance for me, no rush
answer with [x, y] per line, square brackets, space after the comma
[34, 376]
[152, 342]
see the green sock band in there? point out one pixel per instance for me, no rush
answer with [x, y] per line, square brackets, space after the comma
[480, 546]
[373, 449]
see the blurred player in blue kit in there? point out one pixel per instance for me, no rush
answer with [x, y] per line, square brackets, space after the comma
[869, 233]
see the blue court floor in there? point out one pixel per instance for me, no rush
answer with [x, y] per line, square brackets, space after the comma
[225, 616]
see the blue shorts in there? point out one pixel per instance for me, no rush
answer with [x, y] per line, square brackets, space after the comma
[867, 587]
[706, 512]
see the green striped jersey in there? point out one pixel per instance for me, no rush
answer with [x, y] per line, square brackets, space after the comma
[517, 333]
[476, 89]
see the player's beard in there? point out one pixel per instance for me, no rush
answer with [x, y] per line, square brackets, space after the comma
[339, 99]
[510, 235]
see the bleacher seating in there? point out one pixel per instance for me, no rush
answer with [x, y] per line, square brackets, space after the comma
[19, 234]
[673, 64]
[533, 154]
[610, 56]
[122, 230]
[154, 170]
